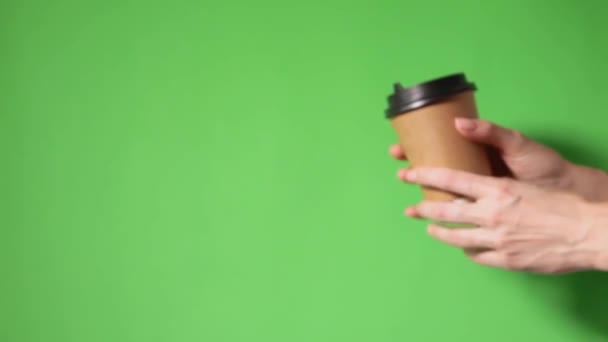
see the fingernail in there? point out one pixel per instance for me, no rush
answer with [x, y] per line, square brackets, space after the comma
[466, 124]
[401, 174]
[410, 211]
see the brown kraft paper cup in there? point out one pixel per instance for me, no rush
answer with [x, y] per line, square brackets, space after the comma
[423, 117]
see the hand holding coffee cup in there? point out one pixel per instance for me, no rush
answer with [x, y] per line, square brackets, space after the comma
[423, 117]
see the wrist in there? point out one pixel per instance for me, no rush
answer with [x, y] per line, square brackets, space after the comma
[587, 182]
[595, 244]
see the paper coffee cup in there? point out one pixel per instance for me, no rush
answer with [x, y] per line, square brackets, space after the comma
[423, 117]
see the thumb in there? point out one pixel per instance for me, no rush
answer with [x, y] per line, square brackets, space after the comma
[508, 141]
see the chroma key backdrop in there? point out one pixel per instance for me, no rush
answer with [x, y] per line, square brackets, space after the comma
[218, 171]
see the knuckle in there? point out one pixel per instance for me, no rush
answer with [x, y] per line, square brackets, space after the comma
[518, 138]
[454, 211]
[495, 218]
[431, 209]
[440, 211]
[423, 208]
[473, 241]
[504, 188]
[501, 242]
[486, 127]
[446, 178]
[513, 263]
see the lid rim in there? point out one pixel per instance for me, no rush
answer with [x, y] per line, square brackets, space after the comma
[405, 100]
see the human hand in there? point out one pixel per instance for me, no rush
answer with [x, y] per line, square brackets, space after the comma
[527, 160]
[519, 226]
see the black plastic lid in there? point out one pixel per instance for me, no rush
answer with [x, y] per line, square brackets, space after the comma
[405, 100]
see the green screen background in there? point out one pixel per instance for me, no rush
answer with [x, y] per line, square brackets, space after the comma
[218, 171]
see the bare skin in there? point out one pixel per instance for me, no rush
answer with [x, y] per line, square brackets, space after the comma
[548, 218]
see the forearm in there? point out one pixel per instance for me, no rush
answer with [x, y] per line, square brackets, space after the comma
[590, 183]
